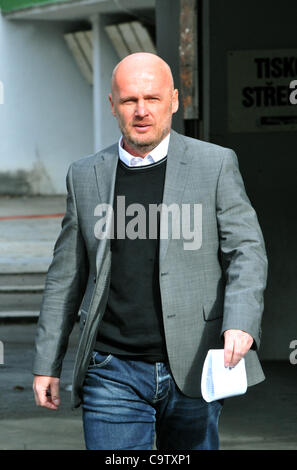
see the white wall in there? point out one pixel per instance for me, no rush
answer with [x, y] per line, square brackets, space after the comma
[46, 121]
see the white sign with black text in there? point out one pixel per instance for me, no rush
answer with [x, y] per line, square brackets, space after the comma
[262, 90]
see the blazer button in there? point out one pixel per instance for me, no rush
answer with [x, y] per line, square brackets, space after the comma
[94, 279]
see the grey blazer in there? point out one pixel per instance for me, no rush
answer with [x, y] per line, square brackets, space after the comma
[204, 291]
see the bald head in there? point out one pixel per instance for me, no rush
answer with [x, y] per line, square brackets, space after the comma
[143, 63]
[143, 100]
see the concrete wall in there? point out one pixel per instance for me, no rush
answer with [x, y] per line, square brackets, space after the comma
[46, 121]
[267, 160]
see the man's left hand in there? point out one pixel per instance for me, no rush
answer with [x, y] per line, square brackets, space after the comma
[237, 344]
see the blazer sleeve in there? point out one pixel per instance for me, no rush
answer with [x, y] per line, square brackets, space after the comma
[243, 252]
[64, 288]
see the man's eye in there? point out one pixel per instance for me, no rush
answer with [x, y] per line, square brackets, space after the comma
[127, 101]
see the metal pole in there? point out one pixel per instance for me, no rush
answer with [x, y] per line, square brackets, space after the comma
[97, 94]
[188, 58]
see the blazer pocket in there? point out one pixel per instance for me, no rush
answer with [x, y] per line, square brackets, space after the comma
[212, 312]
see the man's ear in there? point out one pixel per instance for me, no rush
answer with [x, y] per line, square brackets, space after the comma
[175, 102]
[111, 104]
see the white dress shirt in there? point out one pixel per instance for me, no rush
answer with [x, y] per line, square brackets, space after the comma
[154, 156]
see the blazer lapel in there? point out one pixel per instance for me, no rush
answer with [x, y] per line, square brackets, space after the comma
[177, 169]
[105, 171]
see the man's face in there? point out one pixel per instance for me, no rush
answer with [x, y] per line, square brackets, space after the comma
[143, 101]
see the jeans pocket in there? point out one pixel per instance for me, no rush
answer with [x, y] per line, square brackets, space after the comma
[99, 359]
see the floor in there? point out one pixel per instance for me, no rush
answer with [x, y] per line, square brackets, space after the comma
[264, 418]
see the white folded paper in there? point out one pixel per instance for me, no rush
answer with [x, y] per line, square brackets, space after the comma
[219, 381]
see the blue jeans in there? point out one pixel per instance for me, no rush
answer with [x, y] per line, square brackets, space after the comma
[130, 405]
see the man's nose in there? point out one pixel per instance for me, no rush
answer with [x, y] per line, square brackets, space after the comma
[140, 110]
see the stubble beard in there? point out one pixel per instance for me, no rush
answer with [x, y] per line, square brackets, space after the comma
[143, 146]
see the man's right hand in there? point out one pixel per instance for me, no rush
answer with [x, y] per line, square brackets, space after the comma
[46, 391]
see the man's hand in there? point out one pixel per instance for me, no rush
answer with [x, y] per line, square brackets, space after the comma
[237, 344]
[46, 391]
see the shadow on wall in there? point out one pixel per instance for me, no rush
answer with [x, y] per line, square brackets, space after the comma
[26, 182]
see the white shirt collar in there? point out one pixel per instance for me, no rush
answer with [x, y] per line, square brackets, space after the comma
[154, 156]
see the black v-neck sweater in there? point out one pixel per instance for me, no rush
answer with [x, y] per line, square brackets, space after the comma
[132, 325]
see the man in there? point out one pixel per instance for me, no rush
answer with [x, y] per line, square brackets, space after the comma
[151, 306]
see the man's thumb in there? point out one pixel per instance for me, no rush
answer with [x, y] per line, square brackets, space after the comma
[55, 393]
